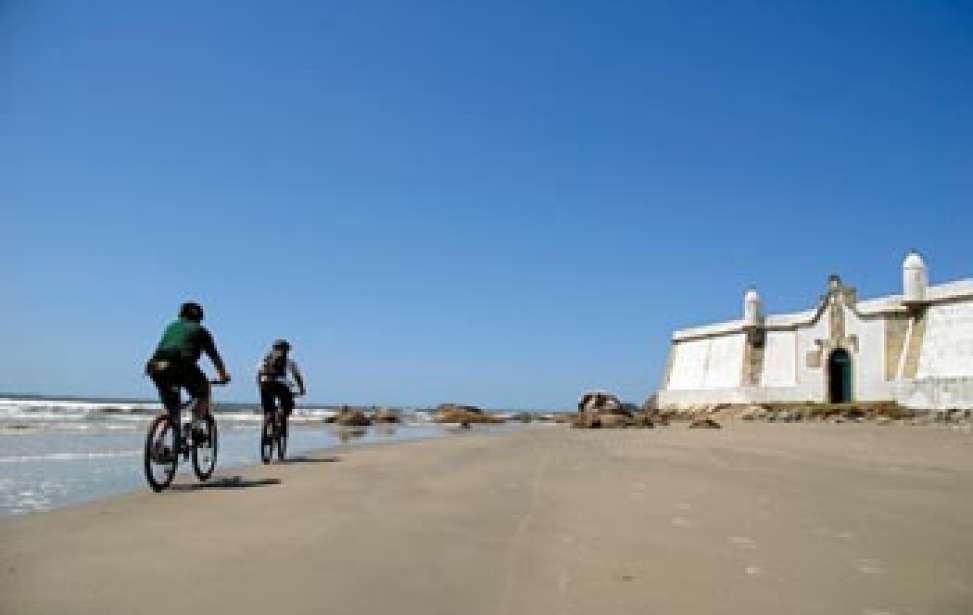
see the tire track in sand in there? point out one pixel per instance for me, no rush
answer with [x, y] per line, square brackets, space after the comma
[520, 534]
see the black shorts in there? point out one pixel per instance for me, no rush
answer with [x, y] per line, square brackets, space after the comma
[170, 376]
[276, 390]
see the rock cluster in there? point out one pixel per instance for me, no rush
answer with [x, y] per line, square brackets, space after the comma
[598, 401]
[386, 415]
[462, 414]
[602, 409]
[349, 417]
[704, 423]
[790, 412]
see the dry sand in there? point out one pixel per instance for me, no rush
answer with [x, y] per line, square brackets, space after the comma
[753, 518]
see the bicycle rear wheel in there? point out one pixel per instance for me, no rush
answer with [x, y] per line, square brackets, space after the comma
[267, 439]
[282, 438]
[205, 444]
[161, 455]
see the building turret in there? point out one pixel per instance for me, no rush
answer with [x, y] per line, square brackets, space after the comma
[752, 311]
[915, 278]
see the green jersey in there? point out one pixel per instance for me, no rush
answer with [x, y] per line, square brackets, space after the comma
[184, 340]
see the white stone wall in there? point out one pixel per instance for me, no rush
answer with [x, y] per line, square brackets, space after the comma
[688, 365]
[725, 366]
[935, 394]
[947, 347]
[868, 363]
[709, 363]
[809, 376]
[780, 360]
[737, 395]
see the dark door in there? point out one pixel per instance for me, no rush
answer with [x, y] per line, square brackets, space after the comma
[839, 377]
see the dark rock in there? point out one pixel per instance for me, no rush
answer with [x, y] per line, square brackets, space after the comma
[587, 420]
[456, 415]
[353, 418]
[603, 402]
[450, 407]
[704, 424]
[610, 419]
[386, 415]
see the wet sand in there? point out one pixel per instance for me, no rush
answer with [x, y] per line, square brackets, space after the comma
[753, 518]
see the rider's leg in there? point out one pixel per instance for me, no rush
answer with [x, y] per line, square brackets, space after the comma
[286, 401]
[198, 386]
[167, 384]
[267, 397]
[267, 400]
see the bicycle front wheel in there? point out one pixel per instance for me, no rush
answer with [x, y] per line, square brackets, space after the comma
[161, 454]
[267, 439]
[205, 443]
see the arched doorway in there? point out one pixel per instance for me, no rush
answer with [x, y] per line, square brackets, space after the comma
[839, 377]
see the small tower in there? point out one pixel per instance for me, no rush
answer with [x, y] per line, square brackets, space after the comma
[915, 278]
[752, 311]
[755, 336]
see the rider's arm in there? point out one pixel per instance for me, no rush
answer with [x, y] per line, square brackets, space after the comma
[209, 347]
[297, 376]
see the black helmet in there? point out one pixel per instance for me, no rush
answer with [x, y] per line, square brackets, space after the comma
[191, 311]
[281, 344]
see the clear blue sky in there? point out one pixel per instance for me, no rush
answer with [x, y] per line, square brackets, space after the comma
[500, 204]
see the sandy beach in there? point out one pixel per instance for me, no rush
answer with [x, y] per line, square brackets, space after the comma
[753, 518]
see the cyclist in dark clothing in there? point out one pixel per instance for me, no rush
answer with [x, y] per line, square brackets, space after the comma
[272, 378]
[173, 364]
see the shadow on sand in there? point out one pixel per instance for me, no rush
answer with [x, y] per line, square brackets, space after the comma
[306, 459]
[227, 482]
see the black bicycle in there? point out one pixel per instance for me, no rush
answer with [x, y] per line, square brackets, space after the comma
[274, 434]
[172, 435]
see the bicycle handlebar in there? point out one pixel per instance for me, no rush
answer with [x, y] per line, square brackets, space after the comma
[219, 383]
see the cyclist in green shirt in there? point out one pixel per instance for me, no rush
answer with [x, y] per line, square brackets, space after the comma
[173, 364]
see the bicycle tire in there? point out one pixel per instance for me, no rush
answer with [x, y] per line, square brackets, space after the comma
[157, 457]
[282, 438]
[267, 439]
[204, 453]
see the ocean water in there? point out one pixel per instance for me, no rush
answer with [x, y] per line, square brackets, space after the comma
[56, 453]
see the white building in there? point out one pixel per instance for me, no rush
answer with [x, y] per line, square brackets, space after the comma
[915, 348]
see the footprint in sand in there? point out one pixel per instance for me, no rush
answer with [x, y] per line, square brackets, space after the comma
[743, 542]
[684, 506]
[846, 535]
[681, 522]
[876, 612]
[870, 566]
